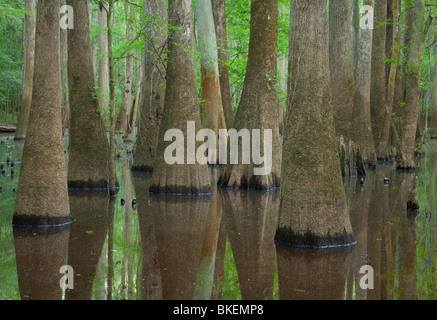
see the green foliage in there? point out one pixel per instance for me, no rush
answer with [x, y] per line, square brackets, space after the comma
[11, 53]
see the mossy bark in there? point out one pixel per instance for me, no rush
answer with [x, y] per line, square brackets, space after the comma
[42, 195]
[313, 208]
[28, 60]
[88, 157]
[181, 107]
[406, 153]
[258, 104]
[433, 126]
[153, 90]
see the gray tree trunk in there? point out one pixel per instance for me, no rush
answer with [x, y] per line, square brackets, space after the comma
[28, 59]
[42, 196]
[153, 89]
[88, 158]
[313, 209]
[181, 107]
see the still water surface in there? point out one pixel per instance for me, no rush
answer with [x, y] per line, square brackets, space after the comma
[220, 246]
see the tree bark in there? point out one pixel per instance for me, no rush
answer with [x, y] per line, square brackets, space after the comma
[362, 134]
[181, 107]
[103, 74]
[258, 104]
[406, 153]
[219, 12]
[28, 59]
[123, 116]
[212, 108]
[153, 88]
[342, 74]
[313, 208]
[385, 145]
[378, 82]
[433, 124]
[42, 196]
[88, 158]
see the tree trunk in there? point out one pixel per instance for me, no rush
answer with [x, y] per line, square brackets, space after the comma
[433, 129]
[362, 134]
[356, 17]
[258, 104]
[313, 211]
[342, 74]
[88, 158]
[103, 78]
[123, 116]
[213, 115]
[42, 197]
[388, 126]
[181, 107]
[153, 89]
[378, 82]
[28, 59]
[406, 153]
[112, 174]
[219, 12]
[132, 117]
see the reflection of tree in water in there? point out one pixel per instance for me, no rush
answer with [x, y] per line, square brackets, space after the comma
[149, 283]
[87, 238]
[312, 274]
[385, 233]
[40, 253]
[251, 220]
[179, 224]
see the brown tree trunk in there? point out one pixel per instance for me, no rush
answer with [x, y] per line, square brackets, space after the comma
[111, 172]
[362, 134]
[219, 12]
[258, 104]
[88, 158]
[103, 78]
[181, 107]
[123, 116]
[433, 124]
[342, 75]
[406, 153]
[42, 197]
[378, 78]
[29, 54]
[212, 109]
[385, 145]
[153, 89]
[313, 208]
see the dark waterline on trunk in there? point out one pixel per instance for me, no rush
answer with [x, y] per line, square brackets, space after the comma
[222, 245]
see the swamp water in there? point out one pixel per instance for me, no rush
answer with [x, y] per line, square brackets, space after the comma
[220, 246]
